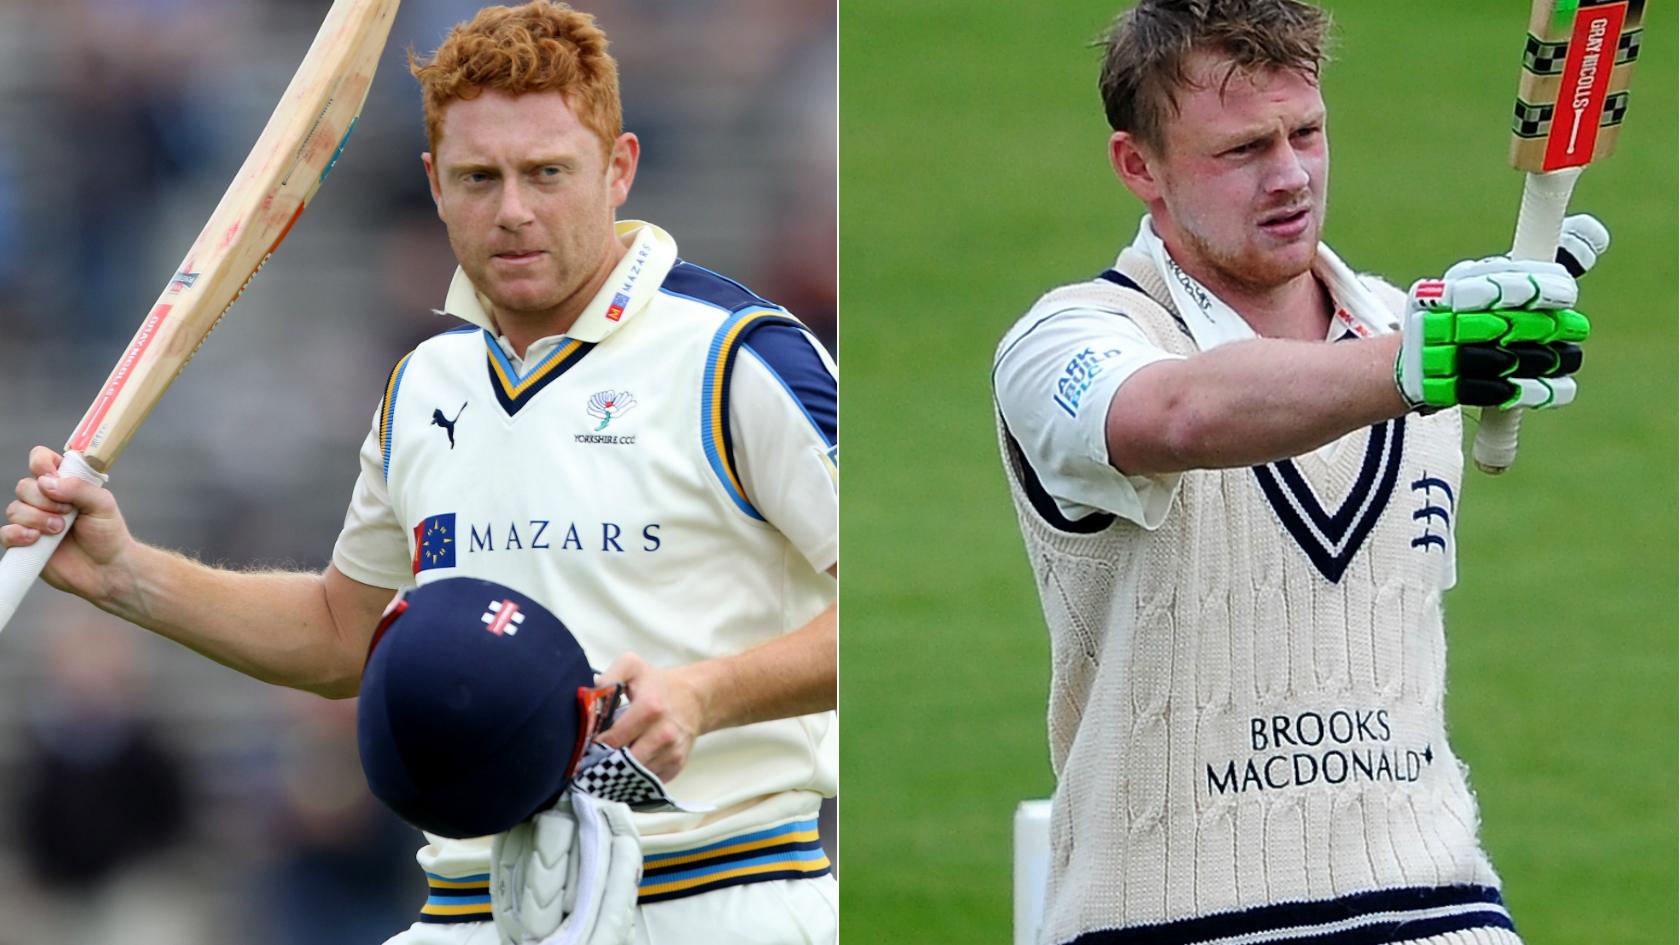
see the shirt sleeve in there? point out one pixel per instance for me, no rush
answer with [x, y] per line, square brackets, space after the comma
[783, 426]
[372, 546]
[1055, 376]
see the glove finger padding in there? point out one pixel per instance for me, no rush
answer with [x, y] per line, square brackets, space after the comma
[567, 876]
[1478, 358]
[1483, 391]
[1537, 393]
[1582, 241]
[1540, 379]
[1497, 283]
[1557, 359]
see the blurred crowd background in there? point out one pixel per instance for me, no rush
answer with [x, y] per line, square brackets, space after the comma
[148, 796]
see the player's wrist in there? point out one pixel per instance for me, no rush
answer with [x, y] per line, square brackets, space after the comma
[692, 690]
[127, 585]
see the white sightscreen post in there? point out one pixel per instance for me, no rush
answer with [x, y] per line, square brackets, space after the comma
[1032, 868]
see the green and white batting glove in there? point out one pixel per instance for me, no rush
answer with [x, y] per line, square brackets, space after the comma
[1498, 332]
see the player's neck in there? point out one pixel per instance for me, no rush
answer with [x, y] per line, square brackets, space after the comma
[523, 328]
[1299, 309]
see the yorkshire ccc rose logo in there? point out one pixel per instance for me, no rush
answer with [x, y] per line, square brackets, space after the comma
[609, 405]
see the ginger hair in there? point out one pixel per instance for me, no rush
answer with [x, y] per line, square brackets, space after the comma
[1149, 47]
[541, 46]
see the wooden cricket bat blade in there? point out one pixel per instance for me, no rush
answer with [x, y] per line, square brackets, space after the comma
[292, 156]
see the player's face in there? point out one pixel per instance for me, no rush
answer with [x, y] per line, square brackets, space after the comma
[1241, 175]
[528, 198]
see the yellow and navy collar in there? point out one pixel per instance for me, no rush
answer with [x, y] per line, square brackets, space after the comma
[650, 254]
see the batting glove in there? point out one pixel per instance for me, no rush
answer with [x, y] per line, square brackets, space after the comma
[1498, 332]
[1583, 240]
[568, 876]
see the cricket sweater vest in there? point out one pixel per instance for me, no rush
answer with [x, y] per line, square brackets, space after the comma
[599, 479]
[1245, 711]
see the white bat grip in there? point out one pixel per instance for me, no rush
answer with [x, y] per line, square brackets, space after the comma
[19, 567]
[1545, 200]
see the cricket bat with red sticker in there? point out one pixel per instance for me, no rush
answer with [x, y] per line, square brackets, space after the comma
[1571, 100]
[298, 146]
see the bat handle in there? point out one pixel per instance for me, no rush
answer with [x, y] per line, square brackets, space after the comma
[19, 567]
[1545, 200]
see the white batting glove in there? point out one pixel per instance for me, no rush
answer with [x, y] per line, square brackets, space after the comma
[567, 876]
[1583, 240]
[1499, 282]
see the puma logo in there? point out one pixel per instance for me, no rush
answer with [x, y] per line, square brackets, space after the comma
[438, 420]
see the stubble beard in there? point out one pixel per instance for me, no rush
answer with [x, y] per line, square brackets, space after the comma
[1249, 267]
[1244, 265]
[570, 264]
[528, 301]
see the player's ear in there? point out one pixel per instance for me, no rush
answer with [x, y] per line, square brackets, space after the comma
[621, 167]
[432, 180]
[1131, 160]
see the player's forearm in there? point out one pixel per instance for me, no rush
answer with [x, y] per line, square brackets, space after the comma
[1250, 402]
[795, 674]
[274, 626]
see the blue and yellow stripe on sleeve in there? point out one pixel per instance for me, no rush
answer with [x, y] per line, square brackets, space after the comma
[714, 397]
[790, 354]
[388, 412]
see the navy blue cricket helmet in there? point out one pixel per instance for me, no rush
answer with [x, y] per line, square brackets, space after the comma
[476, 703]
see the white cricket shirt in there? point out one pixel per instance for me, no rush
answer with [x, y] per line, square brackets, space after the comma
[662, 477]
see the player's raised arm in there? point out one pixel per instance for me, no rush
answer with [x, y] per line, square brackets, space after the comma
[1107, 415]
[297, 148]
[1249, 403]
[306, 631]
[1492, 332]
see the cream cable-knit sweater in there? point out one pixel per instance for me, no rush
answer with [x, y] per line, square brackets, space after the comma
[1246, 703]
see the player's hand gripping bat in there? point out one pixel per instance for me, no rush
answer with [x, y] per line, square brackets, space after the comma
[1570, 103]
[297, 148]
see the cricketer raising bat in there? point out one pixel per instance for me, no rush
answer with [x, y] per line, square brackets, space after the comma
[1570, 103]
[302, 140]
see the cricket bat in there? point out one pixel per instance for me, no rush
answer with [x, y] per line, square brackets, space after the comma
[1570, 102]
[298, 146]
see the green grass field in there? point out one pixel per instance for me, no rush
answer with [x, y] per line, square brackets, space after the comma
[973, 177]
